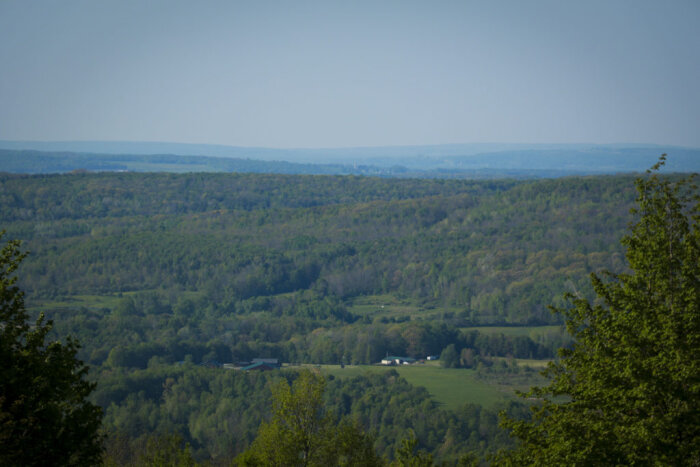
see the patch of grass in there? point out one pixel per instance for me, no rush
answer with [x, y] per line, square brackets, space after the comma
[75, 301]
[90, 302]
[373, 300]
[450, 387]
[532, 363]
[528, 331]
[390, 307]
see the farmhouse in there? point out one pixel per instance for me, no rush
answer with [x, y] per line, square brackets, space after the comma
[397, 360]
[260, 366]
[269, 361]
[257, 364]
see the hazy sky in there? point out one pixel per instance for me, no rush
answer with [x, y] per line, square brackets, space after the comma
[351, 73]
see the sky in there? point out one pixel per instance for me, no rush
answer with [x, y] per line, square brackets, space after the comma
[313, 74]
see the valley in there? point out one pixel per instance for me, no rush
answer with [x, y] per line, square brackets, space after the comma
[163, 278]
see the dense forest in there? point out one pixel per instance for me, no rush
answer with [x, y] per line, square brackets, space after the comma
[498, 250]
[159, 274]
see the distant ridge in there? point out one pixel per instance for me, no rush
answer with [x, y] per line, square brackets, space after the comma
[478, 160]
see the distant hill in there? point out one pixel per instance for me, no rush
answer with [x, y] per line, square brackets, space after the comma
[31, 161]
[476, 161]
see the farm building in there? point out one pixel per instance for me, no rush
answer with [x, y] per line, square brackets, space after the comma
[260, 366]
[255, 364]
[397, 360]
[269, 361]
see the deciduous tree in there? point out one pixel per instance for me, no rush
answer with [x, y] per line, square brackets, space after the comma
[628, 391]
[301, 433]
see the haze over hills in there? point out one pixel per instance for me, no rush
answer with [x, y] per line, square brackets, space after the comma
[477, 160]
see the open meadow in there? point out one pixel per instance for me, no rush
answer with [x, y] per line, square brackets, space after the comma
[450, 387]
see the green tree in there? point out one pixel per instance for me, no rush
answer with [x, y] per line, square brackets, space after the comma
[166, 451]
[300, 433]
[407, 455]
[449, 358]
[628, 390]
[44, 414]
[154, 450]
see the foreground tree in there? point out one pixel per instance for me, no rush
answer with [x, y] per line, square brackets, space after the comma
[408, 455]
[300, 433]
[628, 391]
[45, 418]
[155, 450]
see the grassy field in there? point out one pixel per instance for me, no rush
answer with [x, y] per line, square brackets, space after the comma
[531, 362]
[528, 331]
[90, 302]
[450, 387]
[388, 306]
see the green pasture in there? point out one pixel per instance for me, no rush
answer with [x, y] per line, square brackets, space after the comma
[527, 331]
[450, 387]
[90, 302]
[532, 363]
[514, 330]
[389, 306]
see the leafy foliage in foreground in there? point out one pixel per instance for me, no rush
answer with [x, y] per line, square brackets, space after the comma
[632, 379]
[300, 431]
[44, 411]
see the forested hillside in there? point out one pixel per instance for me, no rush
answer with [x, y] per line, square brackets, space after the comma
[149, 270]
[498, 250]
